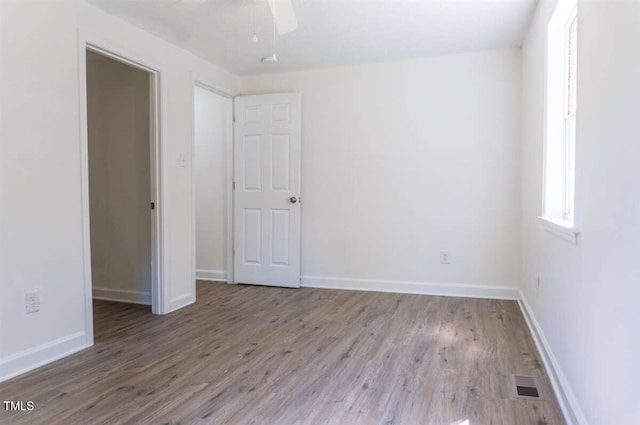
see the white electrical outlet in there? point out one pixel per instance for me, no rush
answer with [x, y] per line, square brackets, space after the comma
[32, 302]
[445, 257]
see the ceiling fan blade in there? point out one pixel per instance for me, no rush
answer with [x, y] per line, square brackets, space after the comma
[283, 15]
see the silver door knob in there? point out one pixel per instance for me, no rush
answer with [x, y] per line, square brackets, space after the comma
[293, 199]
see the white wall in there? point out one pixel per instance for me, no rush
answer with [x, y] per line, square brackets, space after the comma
[587, 303]
[213, 131]
[402, 160]
[118, 105]
[40, 189]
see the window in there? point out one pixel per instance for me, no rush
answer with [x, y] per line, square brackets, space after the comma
[570, 121]
[560, 137]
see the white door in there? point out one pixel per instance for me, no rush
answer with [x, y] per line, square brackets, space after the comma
[266, 201]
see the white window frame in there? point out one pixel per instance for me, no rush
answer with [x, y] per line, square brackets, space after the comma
[558, 212]
[568, 213]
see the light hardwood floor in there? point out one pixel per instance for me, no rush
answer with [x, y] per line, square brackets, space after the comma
[257, 355]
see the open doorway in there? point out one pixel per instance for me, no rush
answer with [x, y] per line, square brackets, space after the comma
[121, 116]
[212, 154]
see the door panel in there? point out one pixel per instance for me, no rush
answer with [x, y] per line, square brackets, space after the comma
[280, 163]
[280, 224]
[267, 189]
[252, 164]
[252, 241]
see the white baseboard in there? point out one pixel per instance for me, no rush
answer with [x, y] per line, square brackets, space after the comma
[30, 359]
[407, 287]
[212, 275]
[564, 394]
[122, 295]
[181, 301]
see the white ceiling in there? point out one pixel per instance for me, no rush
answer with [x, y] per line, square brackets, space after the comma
[330, 32]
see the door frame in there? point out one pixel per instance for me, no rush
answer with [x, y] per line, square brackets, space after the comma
[158, 284]
[229, 146]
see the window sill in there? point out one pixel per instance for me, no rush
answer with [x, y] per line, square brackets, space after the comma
[560, 228]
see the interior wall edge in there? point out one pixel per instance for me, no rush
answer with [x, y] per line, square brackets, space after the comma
[564, 394]
[409, 287]
[40, 355]
[122, 295]
[212, 275]
[181, 301]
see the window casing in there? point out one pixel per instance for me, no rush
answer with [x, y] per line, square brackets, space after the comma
[570, 120]
[560, 137]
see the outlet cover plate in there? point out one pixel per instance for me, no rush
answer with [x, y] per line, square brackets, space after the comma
[32, 302]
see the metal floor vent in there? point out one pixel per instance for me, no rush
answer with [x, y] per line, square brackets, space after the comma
[526, 387]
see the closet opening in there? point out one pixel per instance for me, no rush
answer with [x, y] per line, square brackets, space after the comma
[122, 165]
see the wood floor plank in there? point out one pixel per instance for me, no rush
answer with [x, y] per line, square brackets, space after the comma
[258, 355]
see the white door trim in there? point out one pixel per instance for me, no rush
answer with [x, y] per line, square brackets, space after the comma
[198, 82]
[158, 288]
